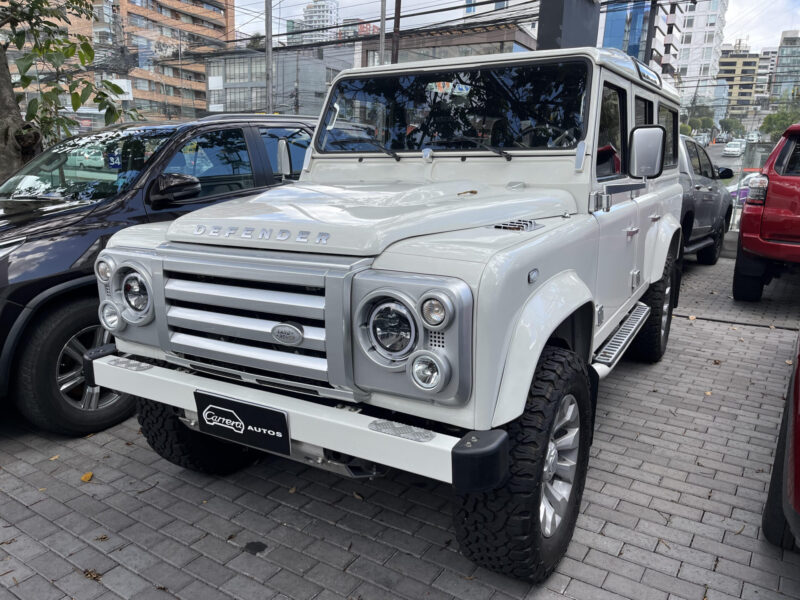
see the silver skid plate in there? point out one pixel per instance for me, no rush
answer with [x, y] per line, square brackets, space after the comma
[616, 345]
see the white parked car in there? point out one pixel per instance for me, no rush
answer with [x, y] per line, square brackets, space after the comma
[441, 292]
[734, 148]
[753, 137]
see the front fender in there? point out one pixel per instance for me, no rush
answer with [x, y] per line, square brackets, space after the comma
[549, 306]
[657, 246]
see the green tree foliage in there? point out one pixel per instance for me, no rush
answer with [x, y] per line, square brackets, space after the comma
[707, 123]
[733, 126]
[695, 123]
[53, 62]
[685, 129]
[775, 124]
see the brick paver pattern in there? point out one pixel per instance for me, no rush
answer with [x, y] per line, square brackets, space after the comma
[677, 481]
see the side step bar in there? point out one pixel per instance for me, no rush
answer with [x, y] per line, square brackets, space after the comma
[704, 243]
[608, 356]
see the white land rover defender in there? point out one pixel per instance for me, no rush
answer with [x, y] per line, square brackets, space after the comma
[471, 247]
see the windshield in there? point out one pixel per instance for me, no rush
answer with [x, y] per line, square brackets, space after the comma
[524, 107]
[85, 169]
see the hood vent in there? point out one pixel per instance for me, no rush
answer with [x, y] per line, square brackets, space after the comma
[519, 225]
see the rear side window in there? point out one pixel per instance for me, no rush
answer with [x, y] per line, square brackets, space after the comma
[668, 119]
[694, 158]
[611, 136]
[705, 164]
[793, 162]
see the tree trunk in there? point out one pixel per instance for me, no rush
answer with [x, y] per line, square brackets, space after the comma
[11, 122]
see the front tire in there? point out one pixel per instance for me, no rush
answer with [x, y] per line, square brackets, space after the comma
[650, 343]
[50, 390]
[523, 528]
[175, 442]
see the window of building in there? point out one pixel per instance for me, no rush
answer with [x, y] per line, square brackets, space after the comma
[216, 96]
[330, 74]
[684, 54]
[644, 112]
[689, 22]
[712, 20]
[691, 8]
[258, 71]
[219, 159]
[713, 5]
[710, 37]
[215, 68]
[687, 38]
[471, 6]
[612, 134]
[259, 98]
[298, 141]
[237, 99]
[236, 70]
[168, 71]
[704, 70]
[707, 52]
[668, 119]
[141, 84]
[683, 71]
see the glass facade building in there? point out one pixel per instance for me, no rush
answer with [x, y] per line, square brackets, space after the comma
[626, 28]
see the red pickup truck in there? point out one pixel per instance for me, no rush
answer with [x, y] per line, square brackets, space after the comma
[769, 235]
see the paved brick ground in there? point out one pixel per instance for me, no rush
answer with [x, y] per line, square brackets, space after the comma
[679, 467]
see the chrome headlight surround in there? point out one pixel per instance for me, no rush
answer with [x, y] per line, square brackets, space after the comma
[400, 309]
[99, 271]
[108, 305]
[129, 314]
[449, 309]
[365, 317]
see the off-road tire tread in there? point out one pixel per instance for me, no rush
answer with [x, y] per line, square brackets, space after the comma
[175, 442]
[26, 382]
[648, 346]
[747, 288]
[499, 529]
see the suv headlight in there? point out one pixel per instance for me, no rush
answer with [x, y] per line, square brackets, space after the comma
[135, 292]
[392, 330]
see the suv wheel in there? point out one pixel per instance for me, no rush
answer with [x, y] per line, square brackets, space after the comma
[650, 343]
[175, 442]
[523, 528]
[747, 287]
[50, 389]
[710, 254]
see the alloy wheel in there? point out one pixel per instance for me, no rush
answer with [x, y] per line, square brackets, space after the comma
[560, 466]
[69, 374]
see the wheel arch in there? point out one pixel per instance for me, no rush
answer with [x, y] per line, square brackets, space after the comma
[567, 301]
[81, 287]
[666, 237]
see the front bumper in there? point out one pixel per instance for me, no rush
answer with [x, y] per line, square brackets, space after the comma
[477, 461]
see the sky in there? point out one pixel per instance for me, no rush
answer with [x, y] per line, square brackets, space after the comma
[758, 21]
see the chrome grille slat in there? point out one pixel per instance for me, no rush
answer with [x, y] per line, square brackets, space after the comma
[268, 301]
[300, 365]
[240, 327]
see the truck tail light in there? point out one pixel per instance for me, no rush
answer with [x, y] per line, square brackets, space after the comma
[758, 190]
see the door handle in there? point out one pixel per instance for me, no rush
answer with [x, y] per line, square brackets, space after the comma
[655, 217]
[631, 231]
[702, 188]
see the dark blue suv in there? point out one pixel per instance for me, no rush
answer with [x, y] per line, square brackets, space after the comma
[60, 209]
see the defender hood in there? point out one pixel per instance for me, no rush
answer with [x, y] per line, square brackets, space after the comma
[362, 220]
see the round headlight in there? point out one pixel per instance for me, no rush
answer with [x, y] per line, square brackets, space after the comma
[392, 330]
[134, 290]
[426, 372]
[433, 311]
[103, 270]
[110, 317]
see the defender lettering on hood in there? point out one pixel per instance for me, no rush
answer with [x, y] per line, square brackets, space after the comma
[252, 233]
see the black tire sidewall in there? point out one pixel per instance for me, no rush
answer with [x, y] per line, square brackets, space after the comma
[37, 382]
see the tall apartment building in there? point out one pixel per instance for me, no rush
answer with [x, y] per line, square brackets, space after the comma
[701, 48]
[786, 82]
[474, 12]
[633, 27]
[318, 14]
[738, 67]
[765, 75]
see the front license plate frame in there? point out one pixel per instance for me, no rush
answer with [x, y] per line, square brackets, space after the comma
[253, 425]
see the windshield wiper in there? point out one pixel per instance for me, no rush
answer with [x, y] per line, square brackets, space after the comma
[377, 145]
[35, 197]
[476, 143]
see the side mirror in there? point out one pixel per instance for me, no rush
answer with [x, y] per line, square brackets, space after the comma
[724, 173]
[284, 158]
[647, 151]
[174, 187]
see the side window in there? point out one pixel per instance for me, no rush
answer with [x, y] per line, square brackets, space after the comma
[612, 134]
[298, 139]
[694, 158]
[643, 112]
[793, 164]
[705, 164]
[219, 159]
[668, 119]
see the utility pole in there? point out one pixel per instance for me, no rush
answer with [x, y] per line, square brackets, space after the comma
[268, 52]
[396, 32]
[382, 38]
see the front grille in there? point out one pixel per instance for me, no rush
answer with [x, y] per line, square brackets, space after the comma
[228, 320]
